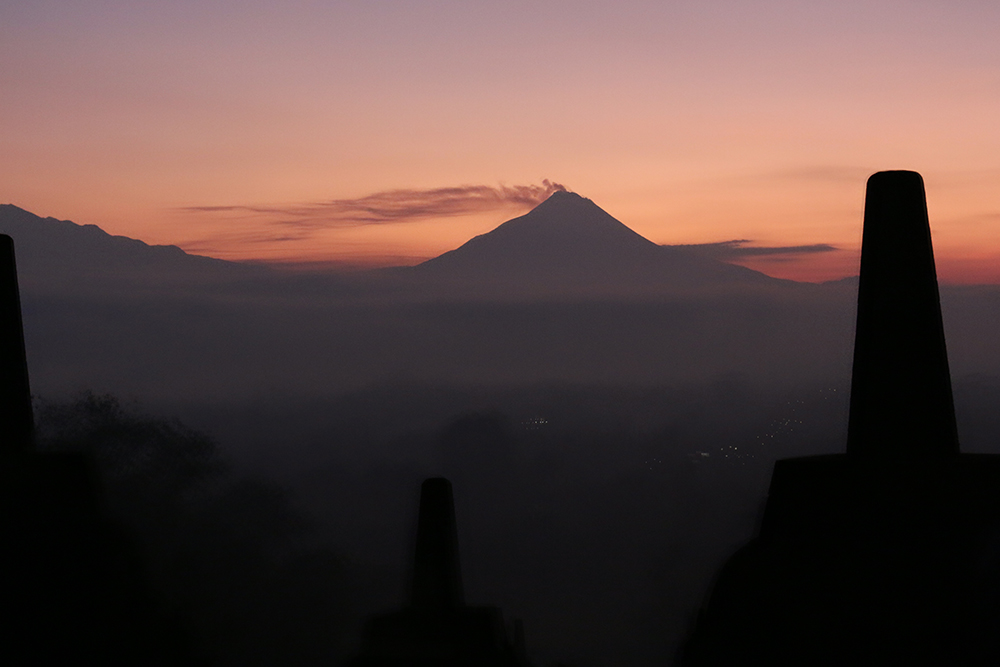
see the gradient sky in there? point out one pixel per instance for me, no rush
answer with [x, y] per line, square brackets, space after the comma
[245, 130]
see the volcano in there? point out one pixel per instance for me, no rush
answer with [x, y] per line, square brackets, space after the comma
[570, 244]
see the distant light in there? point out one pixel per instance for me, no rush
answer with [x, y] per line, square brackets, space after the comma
[534, 423]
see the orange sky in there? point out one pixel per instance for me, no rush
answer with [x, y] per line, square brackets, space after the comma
[691, 122]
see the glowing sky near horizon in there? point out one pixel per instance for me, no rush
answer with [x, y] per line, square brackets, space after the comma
[691, 122]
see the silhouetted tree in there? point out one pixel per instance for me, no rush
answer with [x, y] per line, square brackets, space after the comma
[231, 556]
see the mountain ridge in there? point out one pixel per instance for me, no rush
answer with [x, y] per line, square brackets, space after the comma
[569, 243]
[18, 220]
[55, 254]
[565, 246]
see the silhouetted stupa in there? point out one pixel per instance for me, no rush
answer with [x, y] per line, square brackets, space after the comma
[72, 590]
[888, 554]
[437, 628]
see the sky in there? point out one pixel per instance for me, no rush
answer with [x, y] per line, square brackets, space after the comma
[386, 132]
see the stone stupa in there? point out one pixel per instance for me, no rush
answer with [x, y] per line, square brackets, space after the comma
[888, 554]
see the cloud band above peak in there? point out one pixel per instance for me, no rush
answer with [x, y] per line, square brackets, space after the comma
[393, 206]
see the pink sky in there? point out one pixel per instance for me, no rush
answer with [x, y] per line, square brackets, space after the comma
[691, 122]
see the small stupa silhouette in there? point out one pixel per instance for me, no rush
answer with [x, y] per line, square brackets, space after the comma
[888, 554]
[436, 628]
[72, 587]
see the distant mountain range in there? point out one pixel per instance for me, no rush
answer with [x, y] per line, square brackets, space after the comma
[564, 293]
[60, 254]
[565, 245]
[570, 244]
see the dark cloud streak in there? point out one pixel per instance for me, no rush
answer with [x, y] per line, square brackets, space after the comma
[393, 206]
[737, 249]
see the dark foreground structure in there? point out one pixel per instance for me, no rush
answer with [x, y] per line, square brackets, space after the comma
[888, 554]
[72, 590]
[437, 628]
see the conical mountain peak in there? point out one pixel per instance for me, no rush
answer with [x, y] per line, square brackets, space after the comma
[566, 218]
[564, 198]
[569, 243]
[565, 195]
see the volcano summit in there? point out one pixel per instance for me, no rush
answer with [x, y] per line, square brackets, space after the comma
[568, 244]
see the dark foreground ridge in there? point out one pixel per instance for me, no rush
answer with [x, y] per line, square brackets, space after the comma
[437, 628]
[887, 554]
[72, 589]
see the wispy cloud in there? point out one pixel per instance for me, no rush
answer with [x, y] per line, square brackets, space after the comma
[738, 249]
[389, 206]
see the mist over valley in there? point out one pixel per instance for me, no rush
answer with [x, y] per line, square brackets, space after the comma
[608, 409]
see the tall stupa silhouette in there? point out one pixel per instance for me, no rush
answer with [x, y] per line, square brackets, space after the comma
[436, 628]
[888, 554]
[72, 586]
